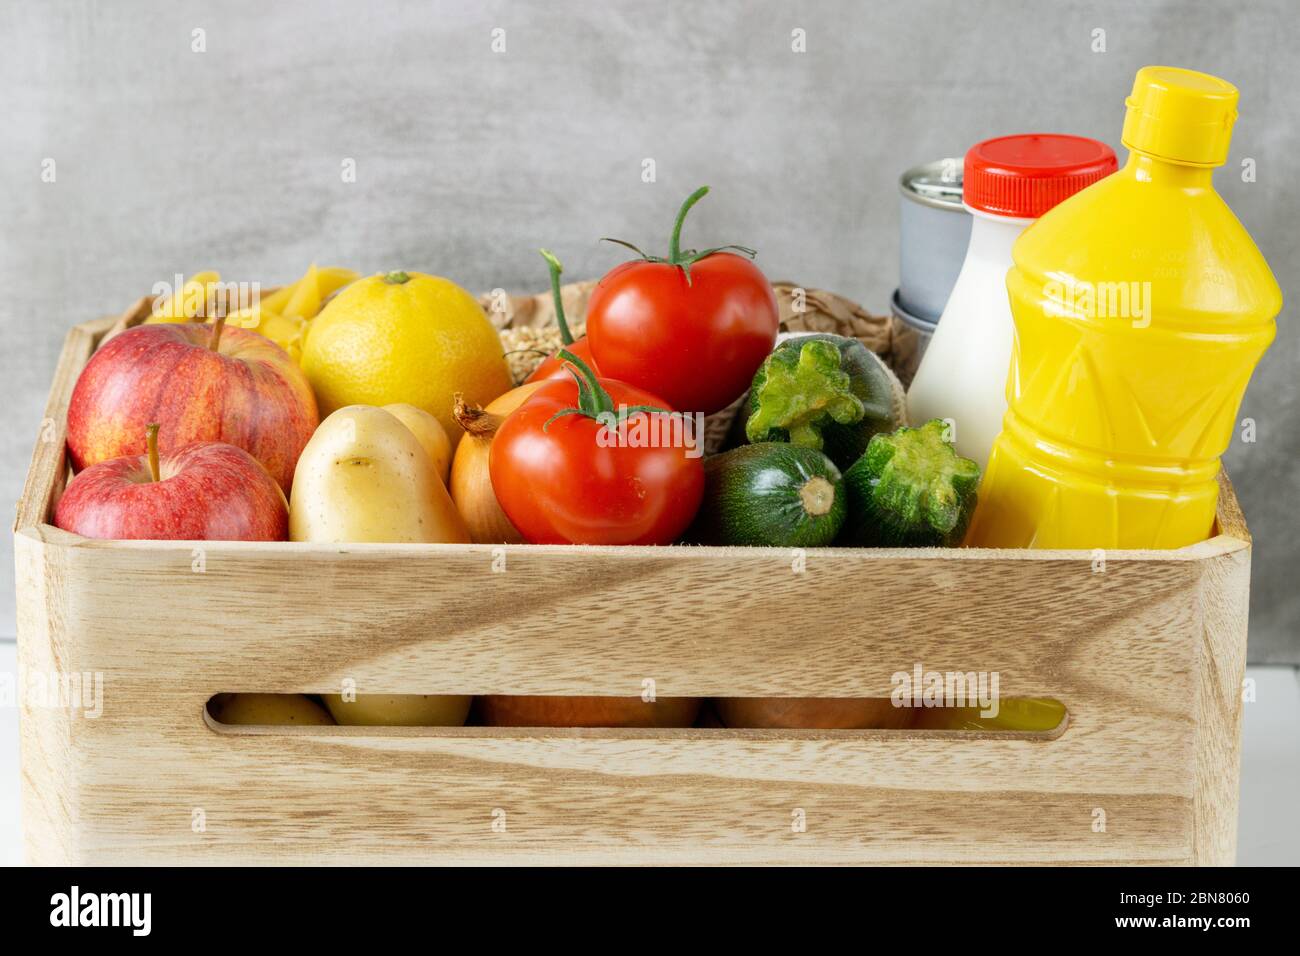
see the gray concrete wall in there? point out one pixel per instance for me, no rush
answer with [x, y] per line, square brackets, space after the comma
[170, 160]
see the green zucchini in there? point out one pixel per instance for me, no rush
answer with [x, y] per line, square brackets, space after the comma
[910, 490]
[828, 392]
[771, 494]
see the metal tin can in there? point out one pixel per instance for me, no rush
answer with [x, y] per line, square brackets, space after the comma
[934, 230]
[910, 335]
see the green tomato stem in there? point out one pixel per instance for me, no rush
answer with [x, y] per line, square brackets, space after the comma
[675, 243]
[556, 269]
[676, 257]
[593, 400]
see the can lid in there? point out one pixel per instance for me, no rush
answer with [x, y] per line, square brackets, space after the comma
[936, 184]
[1180, 115]
[1024, 176]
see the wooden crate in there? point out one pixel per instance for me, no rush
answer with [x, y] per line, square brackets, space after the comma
[1147, 654]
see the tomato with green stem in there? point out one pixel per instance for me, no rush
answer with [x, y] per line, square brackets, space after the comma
[692, 327]
[553, 366]
[574, 465]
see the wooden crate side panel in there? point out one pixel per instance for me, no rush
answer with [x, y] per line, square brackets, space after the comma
[49, 464]
[50, 800]
[1112, 645]
[1220, 672]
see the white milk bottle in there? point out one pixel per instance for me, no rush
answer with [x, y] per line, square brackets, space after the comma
[1008, 182]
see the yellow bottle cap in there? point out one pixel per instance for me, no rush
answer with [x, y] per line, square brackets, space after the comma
[1180, 115]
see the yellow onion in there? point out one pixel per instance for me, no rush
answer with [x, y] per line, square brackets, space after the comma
[471, 485]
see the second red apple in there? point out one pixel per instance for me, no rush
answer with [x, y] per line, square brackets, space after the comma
[208, 491]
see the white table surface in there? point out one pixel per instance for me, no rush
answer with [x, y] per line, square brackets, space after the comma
[1268, 833]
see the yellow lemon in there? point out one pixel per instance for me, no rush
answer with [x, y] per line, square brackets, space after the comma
[404, 337]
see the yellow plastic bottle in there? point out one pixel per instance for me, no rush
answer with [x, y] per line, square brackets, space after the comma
[1141, 308]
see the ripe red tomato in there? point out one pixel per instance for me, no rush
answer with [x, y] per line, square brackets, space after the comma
[693, 327]
[561, 482]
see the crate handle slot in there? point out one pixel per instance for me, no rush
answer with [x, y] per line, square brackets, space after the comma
[254, 713]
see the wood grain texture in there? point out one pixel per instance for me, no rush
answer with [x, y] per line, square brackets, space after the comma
[1147, 655]
[1220, 673]
[49, 464]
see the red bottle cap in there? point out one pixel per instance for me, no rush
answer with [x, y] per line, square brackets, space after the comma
[1024, 176]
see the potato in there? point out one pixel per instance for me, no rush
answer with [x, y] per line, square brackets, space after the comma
[399, 710]
[272, 709]
[365, 477]
[429, 432]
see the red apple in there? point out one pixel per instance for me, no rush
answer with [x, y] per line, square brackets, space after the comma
[205, 491]
[199, 382]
